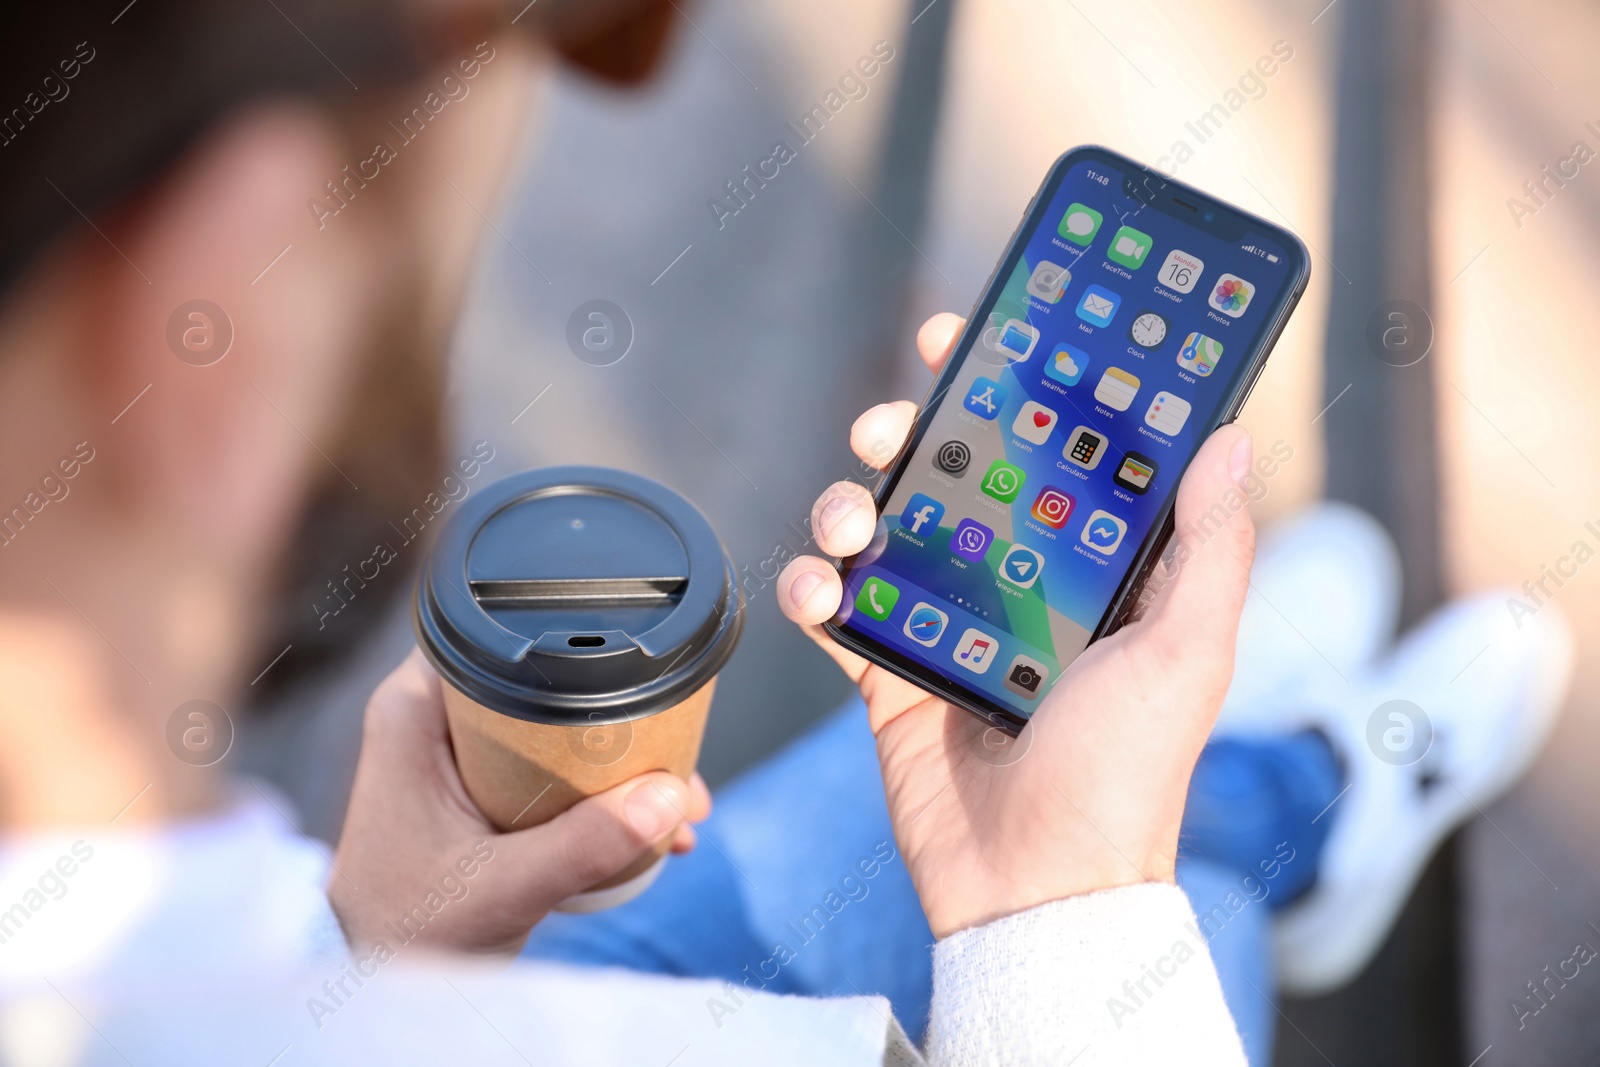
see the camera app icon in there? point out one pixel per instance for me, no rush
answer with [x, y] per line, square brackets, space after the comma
[1025, 677]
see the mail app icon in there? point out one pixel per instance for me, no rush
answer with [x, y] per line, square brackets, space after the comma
[1098, 306]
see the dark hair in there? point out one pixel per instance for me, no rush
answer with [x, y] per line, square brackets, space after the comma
[97, 99]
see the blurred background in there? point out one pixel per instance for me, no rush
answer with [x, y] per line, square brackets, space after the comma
[1411, 143]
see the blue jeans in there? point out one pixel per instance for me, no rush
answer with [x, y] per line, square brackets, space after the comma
[797, 885]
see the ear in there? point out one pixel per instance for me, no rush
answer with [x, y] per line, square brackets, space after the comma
[214, 327]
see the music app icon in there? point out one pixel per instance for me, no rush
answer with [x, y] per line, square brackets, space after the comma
[975, 651]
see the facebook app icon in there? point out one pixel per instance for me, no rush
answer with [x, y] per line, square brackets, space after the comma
[922, 515]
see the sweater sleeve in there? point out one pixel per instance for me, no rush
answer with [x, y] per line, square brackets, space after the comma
[1116, 977]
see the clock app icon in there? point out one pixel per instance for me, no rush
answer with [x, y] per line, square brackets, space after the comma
[1148, 329]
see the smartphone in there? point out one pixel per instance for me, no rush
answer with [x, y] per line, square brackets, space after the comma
[1129, 318]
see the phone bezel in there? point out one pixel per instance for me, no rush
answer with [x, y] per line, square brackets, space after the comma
[1163, 192]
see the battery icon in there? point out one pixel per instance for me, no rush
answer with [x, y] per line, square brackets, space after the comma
[1271, 258]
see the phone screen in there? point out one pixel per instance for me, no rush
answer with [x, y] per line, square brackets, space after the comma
[1113, 339]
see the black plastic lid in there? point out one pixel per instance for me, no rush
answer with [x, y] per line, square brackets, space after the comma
[578, 596]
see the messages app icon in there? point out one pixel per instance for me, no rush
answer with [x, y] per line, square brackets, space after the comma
[1079, 224]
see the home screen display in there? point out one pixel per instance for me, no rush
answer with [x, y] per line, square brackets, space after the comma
[1107, 354]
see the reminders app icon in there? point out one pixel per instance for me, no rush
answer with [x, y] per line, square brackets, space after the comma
[1167, 413]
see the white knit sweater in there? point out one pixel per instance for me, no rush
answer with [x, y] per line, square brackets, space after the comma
[214, 943]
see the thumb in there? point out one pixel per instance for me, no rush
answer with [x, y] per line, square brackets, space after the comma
[1205, 576]
[593, 840]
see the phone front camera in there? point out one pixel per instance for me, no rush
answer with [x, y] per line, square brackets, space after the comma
[1211, 216]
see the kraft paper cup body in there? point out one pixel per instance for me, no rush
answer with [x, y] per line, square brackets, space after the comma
[578, 617]
[521, 774]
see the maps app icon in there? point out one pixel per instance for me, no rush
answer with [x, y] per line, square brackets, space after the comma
[1199, 354]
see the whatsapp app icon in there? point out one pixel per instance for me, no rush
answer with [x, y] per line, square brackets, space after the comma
[1003, 481]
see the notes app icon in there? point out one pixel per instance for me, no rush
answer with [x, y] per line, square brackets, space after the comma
[1116, 389]
[975, 651]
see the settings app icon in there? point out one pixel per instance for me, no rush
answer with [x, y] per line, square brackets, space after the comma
[953, 458]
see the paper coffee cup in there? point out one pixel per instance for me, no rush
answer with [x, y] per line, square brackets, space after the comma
[578, 617]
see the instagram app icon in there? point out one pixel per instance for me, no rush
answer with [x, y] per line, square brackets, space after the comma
[1053, 507]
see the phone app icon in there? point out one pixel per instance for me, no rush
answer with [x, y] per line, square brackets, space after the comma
[1136, 473]
[1199, 354]
[971, 540]
[952, 458]
[925, 625]
[1053, 507]
[1148, 330]
[1034, 423]
[877, 598]
[1167, 413]
[1021, 566]
[1085, 448]
[1025, 676]
[1003, 481]
[1129, 247]
[1116, 389]
[985, 398]
[1014, 340]
[1048, 281]
[975, 651]
[1099, 305]
[1067, 364]
[1079, 224]
[1181, 271]
[1232, 295]
[922, 514]
[1103, 532]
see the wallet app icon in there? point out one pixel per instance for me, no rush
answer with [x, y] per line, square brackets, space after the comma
[1098, 306]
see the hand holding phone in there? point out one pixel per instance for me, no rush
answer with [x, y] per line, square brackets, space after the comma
[1090, 795]
[1128, 319]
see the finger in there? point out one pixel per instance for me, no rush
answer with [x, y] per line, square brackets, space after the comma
[844, 519]
[809, 593]
[594, 839]
[684, 839]
[1204, 584]
[698, 808]
[878, 434]
[937, 336]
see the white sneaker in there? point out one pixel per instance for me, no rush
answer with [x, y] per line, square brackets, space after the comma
[1324, 603]
[1491, 687]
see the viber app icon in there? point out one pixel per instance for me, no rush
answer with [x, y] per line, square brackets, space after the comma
[921, 516]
